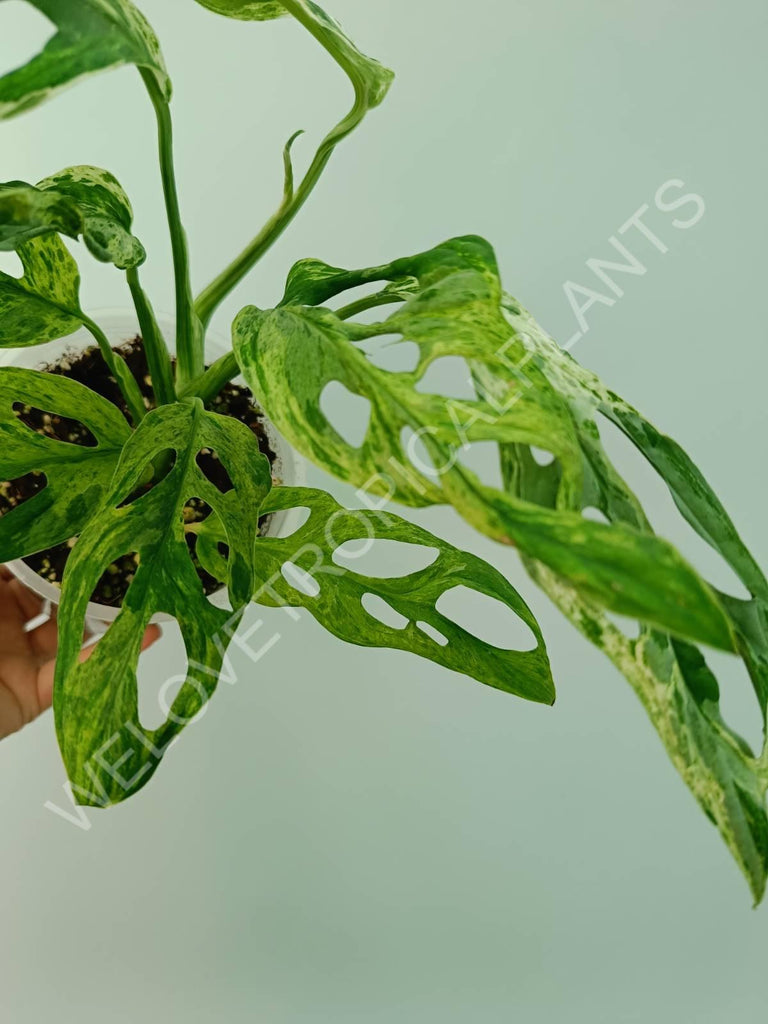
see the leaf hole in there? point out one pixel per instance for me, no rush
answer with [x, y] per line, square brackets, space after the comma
[432, 633]
[9, 261]
[484, 460]
[596, 515]
[347, 303]
[487, 618]
[629, 627]
[159, 686]
[383, 611]
[154, 472]
[386, 559]
[450, 377]
[116, 580]
[297, 519]
[299, 579]
[349, 414]
[390, 352]
[50, 424]
[24, 32]
[15, 492]
[738, 703]
[214, 470]
[541, 456]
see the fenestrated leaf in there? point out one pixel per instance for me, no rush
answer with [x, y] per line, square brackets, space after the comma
[92, 35]
[678, 690]
[531, 394]
[338, 602]
[44, 303]
[76, 476]
[289, 355]
[697, 502]
[107, 753]
[26, 213]
[106, 213]
[246, 10]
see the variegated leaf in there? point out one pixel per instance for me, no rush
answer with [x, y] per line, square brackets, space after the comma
[26, 213]
[75, 476]
[246, 10]
[530, 394]
[78, 200]
[105, 210]
[288, 355]
[92, 35]
[338, 603]
[678, 690]
[44, 303]
[107, 752]
[681, 697]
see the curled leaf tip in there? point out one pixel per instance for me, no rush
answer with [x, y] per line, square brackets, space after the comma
[288, 187]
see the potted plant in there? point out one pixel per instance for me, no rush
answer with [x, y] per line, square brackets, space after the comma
[148, 464]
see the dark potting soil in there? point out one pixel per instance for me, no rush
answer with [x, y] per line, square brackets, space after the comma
[89, 368]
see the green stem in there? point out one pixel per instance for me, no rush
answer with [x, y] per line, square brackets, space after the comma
[371, 82]
[129, 388]
[385, 298]
[214, 379]
[155, 349]
[189, 337]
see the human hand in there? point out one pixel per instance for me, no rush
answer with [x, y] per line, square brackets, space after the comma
[27, 659]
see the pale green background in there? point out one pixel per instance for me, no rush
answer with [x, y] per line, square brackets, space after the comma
[356, 836]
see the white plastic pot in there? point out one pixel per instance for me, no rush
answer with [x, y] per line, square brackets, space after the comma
[120, 327]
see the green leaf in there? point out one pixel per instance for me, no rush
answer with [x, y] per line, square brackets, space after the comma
[530, 394]
[99, 729]
[76, 476]
[92, 35]
[107, 752]
[678, 690]
[289, 355]
[105, 210]
[78, 200]
[246, 10]
[338, 603]
[697, 502]
[26, 213]
[44, 303]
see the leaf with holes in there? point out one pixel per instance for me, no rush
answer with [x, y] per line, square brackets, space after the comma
[76, 476]
[107, 753]
[290, 354]
[697, 502]
[678, 690]
[92, 35]
[337, 601]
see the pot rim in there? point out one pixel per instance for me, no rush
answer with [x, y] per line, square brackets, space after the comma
[289, 467]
